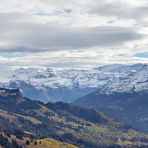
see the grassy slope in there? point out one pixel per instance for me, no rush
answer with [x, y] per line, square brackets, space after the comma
[68, 123]
[41, 143]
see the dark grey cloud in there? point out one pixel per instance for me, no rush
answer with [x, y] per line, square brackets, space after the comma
[17, 34]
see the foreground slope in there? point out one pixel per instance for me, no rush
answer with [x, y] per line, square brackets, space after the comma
[76, 125]
[13, 139]
[50, 143]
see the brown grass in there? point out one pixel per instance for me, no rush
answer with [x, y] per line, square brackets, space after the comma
[50, 143]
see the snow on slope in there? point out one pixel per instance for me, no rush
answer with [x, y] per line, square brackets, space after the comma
[108, 79]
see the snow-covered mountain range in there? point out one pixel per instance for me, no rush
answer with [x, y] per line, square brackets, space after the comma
[48, 84]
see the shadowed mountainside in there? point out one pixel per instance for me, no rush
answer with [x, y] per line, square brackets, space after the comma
[129, 107]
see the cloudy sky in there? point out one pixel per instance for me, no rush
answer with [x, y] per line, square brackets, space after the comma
[73, 33]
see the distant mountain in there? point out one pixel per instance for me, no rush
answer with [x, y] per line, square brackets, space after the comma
[69, 84]
[64, 122]
[47, 84]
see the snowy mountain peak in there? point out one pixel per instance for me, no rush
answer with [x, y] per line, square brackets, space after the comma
[107, 79]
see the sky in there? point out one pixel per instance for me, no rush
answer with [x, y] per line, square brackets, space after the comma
[73, 33]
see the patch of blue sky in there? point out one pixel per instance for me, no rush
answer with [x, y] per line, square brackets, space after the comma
[142, 55]
[10, 55]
